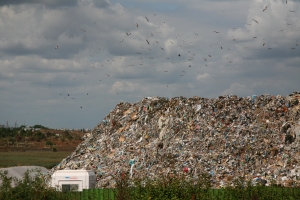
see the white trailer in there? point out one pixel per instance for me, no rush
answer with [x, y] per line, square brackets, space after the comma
[73, 180]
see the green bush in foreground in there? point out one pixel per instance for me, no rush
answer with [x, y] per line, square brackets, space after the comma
[189, 188]
[29, 188]
[175, 187]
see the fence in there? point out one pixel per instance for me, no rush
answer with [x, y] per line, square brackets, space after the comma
[257, 193]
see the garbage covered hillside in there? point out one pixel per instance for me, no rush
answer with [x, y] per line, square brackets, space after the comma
[227, 137]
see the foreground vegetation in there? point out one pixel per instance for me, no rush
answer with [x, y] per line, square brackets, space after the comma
[30, 188]
[177, 188]
[164, 188]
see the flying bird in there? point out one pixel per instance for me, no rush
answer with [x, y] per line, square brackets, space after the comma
[147, 19]
[147, 41]
[128, 34]
[255, 20]
[137, 25]
[216, 32]
[265, 8]
[56, 47]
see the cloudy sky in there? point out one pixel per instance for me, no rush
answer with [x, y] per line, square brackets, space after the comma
[66, 64]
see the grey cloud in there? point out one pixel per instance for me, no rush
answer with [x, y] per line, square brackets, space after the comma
[48, 52]
[101, 3]
[17, 49]
[51, 3]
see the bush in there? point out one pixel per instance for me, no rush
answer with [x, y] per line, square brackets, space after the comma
[29, 188]
[48, 142]
[40, 126]
[38, 136]
[177, 187]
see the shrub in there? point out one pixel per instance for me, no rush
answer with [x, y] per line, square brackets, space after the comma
[29, 188]
[48, 142]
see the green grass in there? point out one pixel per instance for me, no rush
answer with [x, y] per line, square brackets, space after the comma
[46, 159]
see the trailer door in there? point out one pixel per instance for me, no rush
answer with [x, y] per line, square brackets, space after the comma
[70, 185]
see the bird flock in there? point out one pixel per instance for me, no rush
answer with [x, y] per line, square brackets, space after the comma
[184, 50]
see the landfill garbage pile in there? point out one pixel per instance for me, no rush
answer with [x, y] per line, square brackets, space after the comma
[256, 137]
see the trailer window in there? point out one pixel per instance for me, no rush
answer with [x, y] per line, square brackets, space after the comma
[69, 187]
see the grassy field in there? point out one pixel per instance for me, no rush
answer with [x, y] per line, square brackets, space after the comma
[46, 159]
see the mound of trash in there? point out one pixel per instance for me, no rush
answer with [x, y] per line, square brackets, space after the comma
[227, 137]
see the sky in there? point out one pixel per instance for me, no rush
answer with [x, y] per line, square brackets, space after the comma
[67, 64]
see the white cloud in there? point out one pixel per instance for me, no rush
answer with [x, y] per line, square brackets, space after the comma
[203, 77]
[238, 89]
[125, 87]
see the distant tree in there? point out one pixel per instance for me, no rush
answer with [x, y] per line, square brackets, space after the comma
[48, 142]
[39, 126]
[38, 136]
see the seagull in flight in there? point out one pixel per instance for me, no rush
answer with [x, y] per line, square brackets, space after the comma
[265, 8]
[56, 47]
[255, 20]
